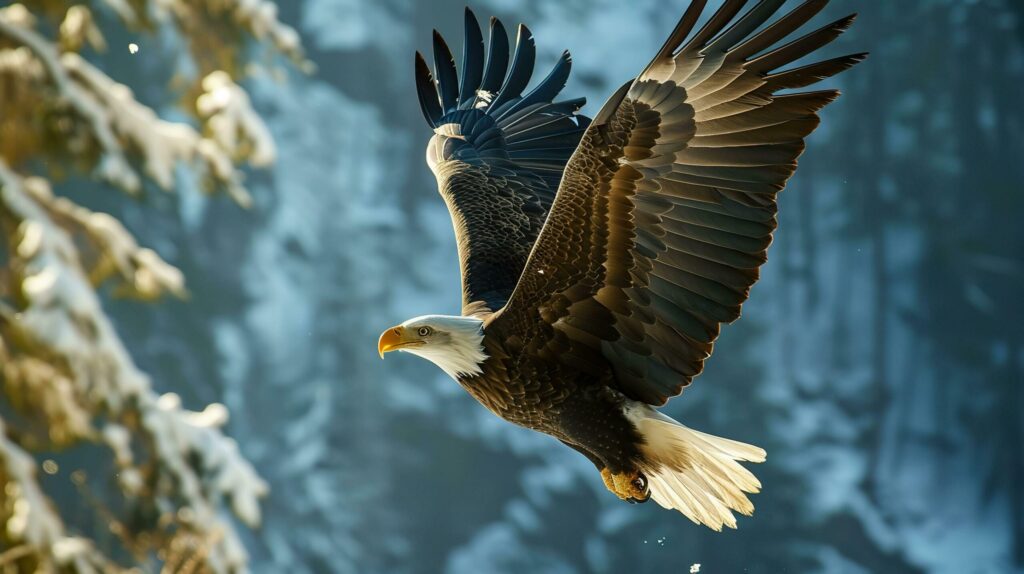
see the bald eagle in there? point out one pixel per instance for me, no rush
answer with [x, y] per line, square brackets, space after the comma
[599, 258]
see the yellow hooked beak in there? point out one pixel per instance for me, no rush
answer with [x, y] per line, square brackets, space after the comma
[396, 338]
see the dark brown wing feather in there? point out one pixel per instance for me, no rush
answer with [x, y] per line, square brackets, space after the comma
[498, 154]
[667, 209]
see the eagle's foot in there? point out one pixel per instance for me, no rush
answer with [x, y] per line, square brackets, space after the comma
[630, 486]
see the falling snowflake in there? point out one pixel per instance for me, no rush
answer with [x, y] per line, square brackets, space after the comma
[695, 568]
[133, 47]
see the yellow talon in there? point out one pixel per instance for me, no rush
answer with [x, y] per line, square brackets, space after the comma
[628, 486]
[609, 481]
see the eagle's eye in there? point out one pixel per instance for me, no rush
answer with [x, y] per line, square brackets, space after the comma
[423, 331]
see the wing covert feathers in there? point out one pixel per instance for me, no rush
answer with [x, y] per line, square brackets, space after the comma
[665, 213]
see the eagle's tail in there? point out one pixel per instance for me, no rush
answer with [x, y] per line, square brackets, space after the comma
[696, 473]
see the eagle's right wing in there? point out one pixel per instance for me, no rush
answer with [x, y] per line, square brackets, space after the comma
[498, 154]
[666, 211]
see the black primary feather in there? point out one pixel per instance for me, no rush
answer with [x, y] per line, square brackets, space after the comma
[497, 58]
[746, 25]
[522, 68]
[547, 89]
[427, 92]
[722, 17]
[447, 76]
[779, 29]
[801, 47]
[472, 61]
[679, 34]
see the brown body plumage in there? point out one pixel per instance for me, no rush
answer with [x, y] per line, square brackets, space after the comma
[586, 308]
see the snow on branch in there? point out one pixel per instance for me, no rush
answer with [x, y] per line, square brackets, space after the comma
[257, 17]
[145, 274]
[176, 460]
[16, 25]
[233, 123]
[123, 127]
[64, 370]
[32, 523]
[260, 18]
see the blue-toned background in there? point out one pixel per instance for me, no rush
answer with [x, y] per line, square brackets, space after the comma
[880, 360]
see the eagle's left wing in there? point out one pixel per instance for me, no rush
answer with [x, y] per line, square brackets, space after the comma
[498, 152]
[666, 210]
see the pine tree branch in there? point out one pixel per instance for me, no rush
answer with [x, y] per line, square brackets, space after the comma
[30, 518]
[191, 463]
[114, 167]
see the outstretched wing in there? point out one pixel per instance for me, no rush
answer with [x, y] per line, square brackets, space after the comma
[498, 154]
[667, 209]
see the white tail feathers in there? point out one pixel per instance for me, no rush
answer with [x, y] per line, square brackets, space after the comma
[696, 473]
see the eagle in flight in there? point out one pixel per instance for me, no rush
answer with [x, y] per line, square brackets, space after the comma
[600, 257]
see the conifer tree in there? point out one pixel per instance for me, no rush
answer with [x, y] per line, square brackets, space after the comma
[69, 389]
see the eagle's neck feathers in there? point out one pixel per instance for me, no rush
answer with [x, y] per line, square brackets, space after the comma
[460, 348]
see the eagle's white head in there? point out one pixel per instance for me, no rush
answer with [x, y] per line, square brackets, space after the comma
[453, 343]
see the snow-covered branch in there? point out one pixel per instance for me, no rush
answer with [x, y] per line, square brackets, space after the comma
[123, 128]
[63, 368]
[16, 25]
[34, 525]
[145, 274]
[181, 457]
[257, 17]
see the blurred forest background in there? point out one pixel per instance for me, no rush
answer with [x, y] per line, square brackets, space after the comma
[880, 359]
